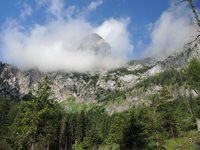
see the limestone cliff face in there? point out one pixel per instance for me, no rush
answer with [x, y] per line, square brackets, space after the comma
[85, 87]
[15, 82]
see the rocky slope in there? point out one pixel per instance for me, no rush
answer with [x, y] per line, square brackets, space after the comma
[85, 87]
[181, 59]
[97, 86]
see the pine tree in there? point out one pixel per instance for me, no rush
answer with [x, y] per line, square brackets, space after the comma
[35, 124]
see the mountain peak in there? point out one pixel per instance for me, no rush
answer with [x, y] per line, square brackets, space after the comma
[95, 44]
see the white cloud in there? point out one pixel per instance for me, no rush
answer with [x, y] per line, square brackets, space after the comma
[116, 34]
[170, 32]
[94, 4]
[53, 46]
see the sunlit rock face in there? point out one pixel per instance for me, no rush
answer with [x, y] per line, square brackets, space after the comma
[95, 44]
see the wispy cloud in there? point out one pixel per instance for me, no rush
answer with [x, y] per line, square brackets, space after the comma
[55, 8]
[26, 11]
[170, 32]
[94, 4]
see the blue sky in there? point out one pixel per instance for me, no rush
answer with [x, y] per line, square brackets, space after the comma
[141, 12]
[134, 28]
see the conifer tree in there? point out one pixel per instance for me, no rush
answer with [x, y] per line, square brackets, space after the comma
[35, 124]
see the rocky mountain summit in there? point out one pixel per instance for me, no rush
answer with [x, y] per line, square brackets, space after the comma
[96, 86]
[94, 43]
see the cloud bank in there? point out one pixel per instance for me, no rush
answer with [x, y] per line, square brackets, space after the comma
[53, 46]
[170, 32]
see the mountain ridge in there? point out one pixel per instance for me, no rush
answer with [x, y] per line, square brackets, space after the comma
[94, 86]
